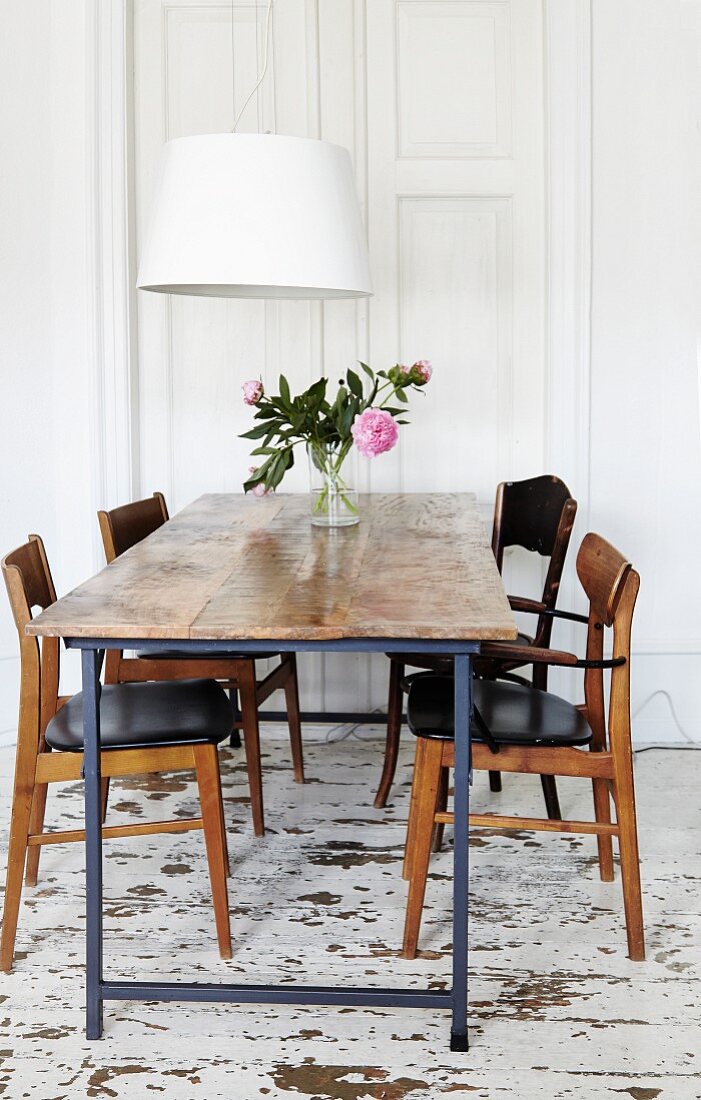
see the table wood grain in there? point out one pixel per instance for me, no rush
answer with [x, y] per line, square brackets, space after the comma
[417, 566]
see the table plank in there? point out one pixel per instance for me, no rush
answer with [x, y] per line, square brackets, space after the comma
[417, 566]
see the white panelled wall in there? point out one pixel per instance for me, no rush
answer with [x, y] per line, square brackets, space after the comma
[529, 173]
[54, 416]
[645, 442]
[441, 105]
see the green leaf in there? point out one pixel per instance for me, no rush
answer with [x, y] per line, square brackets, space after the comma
[280, 406]
[354, 383]
[284, 390]
[259, 476]
[370, 373]
[401, 396]
[278, 470]
[256, 433]
[317, 390]
[265, 467]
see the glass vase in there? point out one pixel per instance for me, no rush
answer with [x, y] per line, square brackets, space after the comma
[332, 481]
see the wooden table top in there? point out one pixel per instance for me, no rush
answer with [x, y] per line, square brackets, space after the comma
[417, 566]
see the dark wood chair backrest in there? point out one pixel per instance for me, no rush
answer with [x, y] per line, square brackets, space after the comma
[29, 585]
[537, 514]
[123, 527]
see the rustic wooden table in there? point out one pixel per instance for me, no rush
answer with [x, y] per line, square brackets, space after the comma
[417, 573]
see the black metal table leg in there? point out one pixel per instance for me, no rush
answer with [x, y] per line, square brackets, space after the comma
[463, 706]
[99, 990]
[91, 662]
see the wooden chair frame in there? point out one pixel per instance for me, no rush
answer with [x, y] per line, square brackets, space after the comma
[501, 538]
[29, 584]
[238, 676]
[612, 586]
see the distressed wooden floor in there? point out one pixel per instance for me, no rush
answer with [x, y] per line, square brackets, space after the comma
[557, 1010]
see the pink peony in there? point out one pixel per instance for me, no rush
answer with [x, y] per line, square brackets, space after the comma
[374, 432]
[423, 370]
[258, 490]
[252, 392]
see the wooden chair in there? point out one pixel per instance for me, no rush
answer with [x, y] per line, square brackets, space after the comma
[144, 728]
[537, 732]
[537, 514]
[121, 529]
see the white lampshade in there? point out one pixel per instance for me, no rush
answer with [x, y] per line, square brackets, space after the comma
[255, 216]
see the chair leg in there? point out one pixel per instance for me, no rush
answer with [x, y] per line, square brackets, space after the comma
[234, 736]
[225, 839]
[630, 858]
[552, 802]
[292, 705]
[251, 742]
[428, 765]
[16, 857]
[602, 812]
[441, 807]
[495, 782]
[104, 795]
[411, 820]
[394, 725]
[207, 770]
[36, 825]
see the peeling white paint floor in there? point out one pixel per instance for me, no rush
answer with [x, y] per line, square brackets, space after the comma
[557, 1009]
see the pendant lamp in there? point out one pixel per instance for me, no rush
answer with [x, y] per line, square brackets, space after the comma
[255, 216]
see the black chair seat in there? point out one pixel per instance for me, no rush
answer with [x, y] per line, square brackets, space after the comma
[439, 662]
[205, 655]
[136, 715]
[514, 715]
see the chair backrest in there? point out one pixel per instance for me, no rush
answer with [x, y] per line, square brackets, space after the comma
[539, 515]
[611, 585]
[29, 585]
[125, 526]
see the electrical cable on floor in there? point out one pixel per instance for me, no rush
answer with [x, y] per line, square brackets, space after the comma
[690, 746]
[351, 731]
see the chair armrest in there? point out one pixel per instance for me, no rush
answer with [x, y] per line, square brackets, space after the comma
[527, 654]
[535, 607]
[535, 655]
[520, 603]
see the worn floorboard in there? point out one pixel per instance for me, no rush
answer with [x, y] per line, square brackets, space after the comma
[557, 1009]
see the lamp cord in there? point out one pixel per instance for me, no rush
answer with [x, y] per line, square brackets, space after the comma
[268, 18]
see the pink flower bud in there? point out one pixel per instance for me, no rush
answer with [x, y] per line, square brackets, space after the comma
[252, 392]
[422, 370]
[258, 490]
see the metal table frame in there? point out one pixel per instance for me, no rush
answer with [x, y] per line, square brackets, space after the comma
[98, 990]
